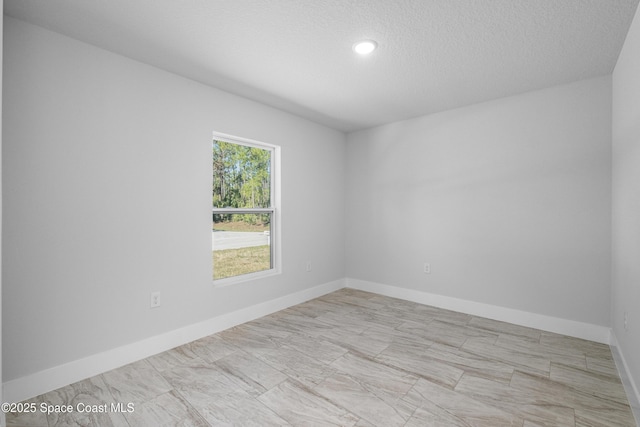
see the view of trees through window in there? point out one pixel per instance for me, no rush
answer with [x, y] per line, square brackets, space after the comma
[242, 210]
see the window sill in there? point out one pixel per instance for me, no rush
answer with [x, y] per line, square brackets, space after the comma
[221, 283]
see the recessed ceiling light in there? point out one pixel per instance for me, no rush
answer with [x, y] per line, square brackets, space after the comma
[365, 47]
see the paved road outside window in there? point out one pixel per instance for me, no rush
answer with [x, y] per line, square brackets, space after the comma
[222, 240]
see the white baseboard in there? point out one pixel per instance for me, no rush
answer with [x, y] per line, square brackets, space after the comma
[50, 379]
[630, 386]
[557, 325]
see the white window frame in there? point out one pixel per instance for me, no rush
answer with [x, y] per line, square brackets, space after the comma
[274, 210]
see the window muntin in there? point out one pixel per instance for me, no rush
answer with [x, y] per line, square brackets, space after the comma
[243, 209]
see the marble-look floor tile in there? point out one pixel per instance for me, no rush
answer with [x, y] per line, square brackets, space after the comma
[259, 376]
[433, 332]
[524, 345]
[209, 379]
[408, 309]
[522, 404]
[211, 348]
[529, 423]
[300, 324]
[136, 382]
[300, 406]
[602, 418]
[588, 348]
[220, 399]
[407, 312]
[248, 339]
[360, 400]
[390, 380]
[366, 343]
[603, 386]
[371, 318]
[357, 358]
[585, 405]
[318, 348]
[439, 401]
[232, 409]
[504, 328]
[317, 307]
[35, 418]
[414, 359]
[345, 322]
[392, 337]
[270, 327]
[448, 316]
[296, 365]
[470, 363]
[363, 423]
[442, 332]
[434, 417]
[179, 356]
[167, 410]
[83, 397]
[519, 359]
[602, 366]
[355, 298]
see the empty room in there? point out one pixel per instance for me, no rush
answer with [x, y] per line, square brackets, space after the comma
[423, 213]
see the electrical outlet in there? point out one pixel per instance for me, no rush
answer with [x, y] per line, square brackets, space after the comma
[308, 268]
[427, 268]
[155, 299]
[626, 321]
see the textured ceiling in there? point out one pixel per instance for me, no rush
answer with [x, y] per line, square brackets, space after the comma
[296, 55]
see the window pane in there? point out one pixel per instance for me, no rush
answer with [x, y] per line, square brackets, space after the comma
[241, 176]
[241, 237]
[241, 244]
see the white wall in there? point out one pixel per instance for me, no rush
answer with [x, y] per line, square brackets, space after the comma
[509, 201]
[2, 418]
[107, 198]
[626, 200]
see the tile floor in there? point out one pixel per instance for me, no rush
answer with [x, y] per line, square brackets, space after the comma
[352, 358]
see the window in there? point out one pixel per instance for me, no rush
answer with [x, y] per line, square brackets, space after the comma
[244, 220]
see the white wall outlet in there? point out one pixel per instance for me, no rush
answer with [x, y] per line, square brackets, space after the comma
[626, 321]
[308, 267]
[427, 268]
[155, 299]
